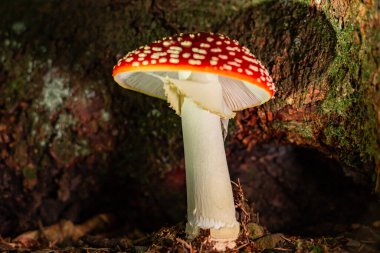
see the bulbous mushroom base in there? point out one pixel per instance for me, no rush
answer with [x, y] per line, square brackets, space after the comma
[224, 234]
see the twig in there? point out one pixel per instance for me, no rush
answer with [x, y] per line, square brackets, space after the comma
[287, 239]
[368, 242]
[185, 244]
[282, 249]
[241, 246]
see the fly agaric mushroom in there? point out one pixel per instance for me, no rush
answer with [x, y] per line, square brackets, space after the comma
[205, 78]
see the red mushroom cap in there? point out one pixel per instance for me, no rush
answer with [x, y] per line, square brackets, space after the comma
[200, 52]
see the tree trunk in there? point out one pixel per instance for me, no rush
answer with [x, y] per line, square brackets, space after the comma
[67, 131]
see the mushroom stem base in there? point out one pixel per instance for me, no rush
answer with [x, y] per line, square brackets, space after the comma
[220, 234]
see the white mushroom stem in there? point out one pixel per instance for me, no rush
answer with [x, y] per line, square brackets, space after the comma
[209, 192]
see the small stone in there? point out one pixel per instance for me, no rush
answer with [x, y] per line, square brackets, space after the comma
[255, 230]
[376, 224]
[269, 241]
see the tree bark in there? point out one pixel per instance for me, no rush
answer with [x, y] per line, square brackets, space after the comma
[68, 132]
[324, 64]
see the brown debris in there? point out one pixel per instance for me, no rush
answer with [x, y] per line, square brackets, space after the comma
[253, 238]
[63, 231]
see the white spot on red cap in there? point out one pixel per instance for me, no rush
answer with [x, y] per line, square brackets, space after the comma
[194, 62]
[173, 60]
[166, 43]
[248, 72]
[198, 50]
[216, 50]
[205, 45]
[223, 56]
[234, 63]
[157, 55]
[246, 50]
[171, 51]
[176, 48]
[199, 56]
[231, 48]
[248, 59]
[162, 60]
[254, 68]
[210, 39]
[186, 55]
[213, 62]
[226, 66]
[256, 62]
[135, 64]
[186, 43]
[157, 49]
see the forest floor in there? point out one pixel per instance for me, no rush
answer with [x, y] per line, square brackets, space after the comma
[94, 236]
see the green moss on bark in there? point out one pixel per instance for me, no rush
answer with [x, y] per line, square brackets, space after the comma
[348, 104]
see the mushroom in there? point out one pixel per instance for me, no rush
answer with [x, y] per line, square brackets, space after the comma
[205, 78]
